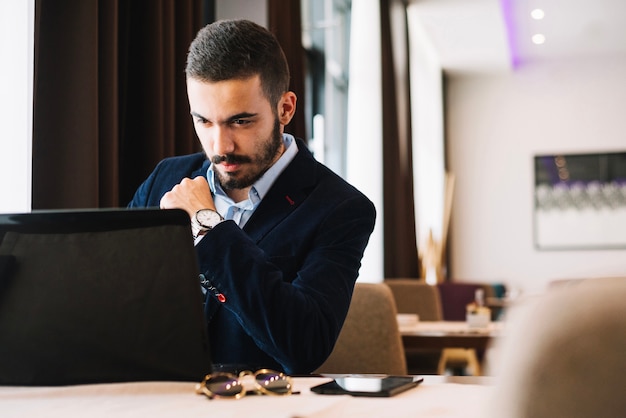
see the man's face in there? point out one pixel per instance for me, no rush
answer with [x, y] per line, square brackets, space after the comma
[237, 127]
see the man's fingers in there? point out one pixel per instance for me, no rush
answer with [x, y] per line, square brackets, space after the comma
[189, 195]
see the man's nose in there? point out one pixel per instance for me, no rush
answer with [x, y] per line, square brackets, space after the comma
[222, 141]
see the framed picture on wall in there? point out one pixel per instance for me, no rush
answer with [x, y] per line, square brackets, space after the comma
[580, 201]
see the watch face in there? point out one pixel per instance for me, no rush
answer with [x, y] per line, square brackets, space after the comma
[208, 218]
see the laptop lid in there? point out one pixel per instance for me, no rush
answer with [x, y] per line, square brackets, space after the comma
[100, 296]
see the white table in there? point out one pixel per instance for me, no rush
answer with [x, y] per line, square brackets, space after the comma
[449, 334]
[437, 397]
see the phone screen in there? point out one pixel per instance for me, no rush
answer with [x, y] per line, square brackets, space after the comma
[368, 385]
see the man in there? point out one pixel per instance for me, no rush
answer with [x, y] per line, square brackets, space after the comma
[279, 271]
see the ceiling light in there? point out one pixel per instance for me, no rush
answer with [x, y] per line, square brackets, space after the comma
[537, 14]
[539, 39]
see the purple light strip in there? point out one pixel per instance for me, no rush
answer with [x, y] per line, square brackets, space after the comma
[509, 23]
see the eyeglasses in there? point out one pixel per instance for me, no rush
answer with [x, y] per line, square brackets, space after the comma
[230, 386]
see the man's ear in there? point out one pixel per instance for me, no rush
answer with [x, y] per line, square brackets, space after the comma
[287, 107]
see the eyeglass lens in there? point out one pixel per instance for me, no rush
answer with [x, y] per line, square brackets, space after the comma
[273, 382]
[223, 385]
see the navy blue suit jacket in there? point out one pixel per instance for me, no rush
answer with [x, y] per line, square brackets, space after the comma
[288, 275]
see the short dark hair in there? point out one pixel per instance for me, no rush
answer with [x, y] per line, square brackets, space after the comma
[239, 49]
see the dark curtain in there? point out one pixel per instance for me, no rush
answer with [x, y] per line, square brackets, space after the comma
[400, 247]
[285, 22]
[109, 96]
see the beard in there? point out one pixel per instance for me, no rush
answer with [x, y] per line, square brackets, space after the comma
[259, 163]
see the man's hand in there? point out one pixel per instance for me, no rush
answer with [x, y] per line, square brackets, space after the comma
[190, 195]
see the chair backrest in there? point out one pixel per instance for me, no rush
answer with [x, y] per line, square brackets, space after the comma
[565, 354]
[417, 297]
[370, 340]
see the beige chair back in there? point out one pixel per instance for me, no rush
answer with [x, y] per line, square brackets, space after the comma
[369, 341]
[564, 355]
[416, 297]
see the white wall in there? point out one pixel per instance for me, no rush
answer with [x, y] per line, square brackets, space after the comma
[495, 125]
[16, 75]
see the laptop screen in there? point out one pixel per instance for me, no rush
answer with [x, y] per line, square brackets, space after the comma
[100, 296]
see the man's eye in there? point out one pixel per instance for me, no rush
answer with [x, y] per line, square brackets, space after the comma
[240, 121]
[201, 120]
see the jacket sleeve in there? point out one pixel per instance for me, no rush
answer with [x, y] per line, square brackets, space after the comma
[165, 176]
[294, 319]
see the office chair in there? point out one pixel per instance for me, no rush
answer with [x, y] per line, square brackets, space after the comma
[370, 340]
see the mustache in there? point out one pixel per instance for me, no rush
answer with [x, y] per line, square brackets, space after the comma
[230, 159]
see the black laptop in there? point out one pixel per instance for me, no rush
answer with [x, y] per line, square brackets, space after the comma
[94, 296]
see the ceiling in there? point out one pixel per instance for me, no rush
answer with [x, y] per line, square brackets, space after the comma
[495, 35]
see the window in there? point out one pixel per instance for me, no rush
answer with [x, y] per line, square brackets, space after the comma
[326, 37]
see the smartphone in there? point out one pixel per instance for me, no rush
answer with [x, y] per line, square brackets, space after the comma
[382, 386]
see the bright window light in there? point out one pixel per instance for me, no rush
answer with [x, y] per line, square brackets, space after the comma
[17, 23]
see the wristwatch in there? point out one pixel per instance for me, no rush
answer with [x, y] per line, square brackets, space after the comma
[204, 220]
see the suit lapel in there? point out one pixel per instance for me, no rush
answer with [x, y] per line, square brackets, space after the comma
[202, 171]
[289, 190]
